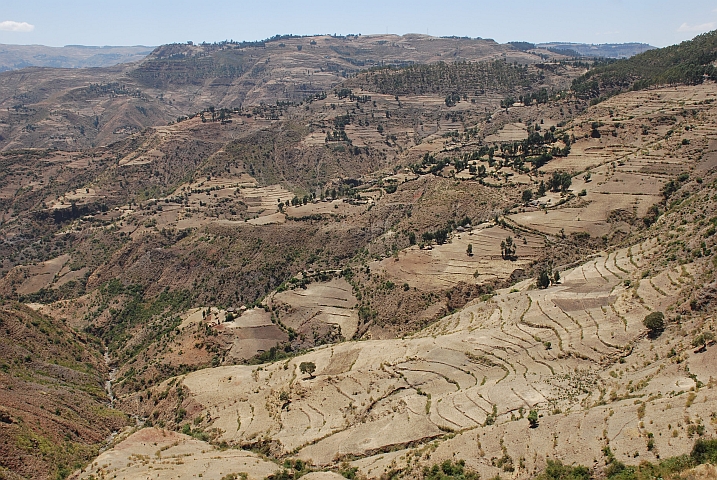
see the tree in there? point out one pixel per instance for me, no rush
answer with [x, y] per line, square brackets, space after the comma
[541, 188]
[507, 249]
[560, 182]
[704, 451]
[533, 418]
[543, 279]
[655, 323]
[308, 367]
[469, 250]
[527, 195]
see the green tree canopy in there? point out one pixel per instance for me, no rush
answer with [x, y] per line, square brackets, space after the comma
[308, 367]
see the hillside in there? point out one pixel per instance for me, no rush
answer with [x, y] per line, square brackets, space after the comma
[53, 404]
[70, 109]
[406, 271]
[689, 62]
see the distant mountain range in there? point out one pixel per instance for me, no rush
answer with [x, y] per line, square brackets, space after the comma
[13, 57]
[607, 50]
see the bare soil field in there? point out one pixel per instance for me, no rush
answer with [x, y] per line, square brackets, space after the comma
[175, 456]
[443, 266]
[319, 305]
[512, 132]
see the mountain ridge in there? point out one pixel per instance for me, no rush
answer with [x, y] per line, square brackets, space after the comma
[13, 57]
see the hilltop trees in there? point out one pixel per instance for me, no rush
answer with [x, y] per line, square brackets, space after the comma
[452, 80]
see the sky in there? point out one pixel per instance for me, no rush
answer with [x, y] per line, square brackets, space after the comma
[155, 22]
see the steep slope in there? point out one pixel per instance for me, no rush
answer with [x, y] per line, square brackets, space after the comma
[54, 410]
[689, 62]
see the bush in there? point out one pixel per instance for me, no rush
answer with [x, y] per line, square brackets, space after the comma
[702, 339]
[533, 418]
[704, 451]
[557, 471]
[449, 470]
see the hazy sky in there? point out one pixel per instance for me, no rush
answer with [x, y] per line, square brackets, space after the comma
[154, 22]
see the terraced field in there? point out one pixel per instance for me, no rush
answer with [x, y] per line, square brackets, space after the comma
[565, 351]
[647, 138]
[320, 306]
[326, 283]
[444, 266]
[175, 456]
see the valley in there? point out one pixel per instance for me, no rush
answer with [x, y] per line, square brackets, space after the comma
[396, 262]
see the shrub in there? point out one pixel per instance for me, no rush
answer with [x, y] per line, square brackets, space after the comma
[449, 470]
[702, 339]
[533, 418]
[557, 471]
[704, 451]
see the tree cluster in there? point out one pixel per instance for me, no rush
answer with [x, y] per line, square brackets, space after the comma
[460, 78]
[547, 277]
[560, 182]
[508, 249]
[690, 62]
